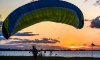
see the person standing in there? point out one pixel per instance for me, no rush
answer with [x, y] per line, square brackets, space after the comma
[34, 52]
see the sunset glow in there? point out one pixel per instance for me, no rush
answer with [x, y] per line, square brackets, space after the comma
[51, 35]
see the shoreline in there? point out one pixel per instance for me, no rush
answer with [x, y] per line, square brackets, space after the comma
[46, 58]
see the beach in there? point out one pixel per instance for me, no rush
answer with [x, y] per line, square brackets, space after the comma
[45, 58]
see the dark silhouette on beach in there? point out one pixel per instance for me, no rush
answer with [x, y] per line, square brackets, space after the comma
[92, 47]
[34, 52]
[50, 53]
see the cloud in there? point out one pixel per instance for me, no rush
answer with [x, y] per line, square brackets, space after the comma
[97, 2]
[87, 20]
[12, 46]
[18, 34]
[48, 47]
[25, 34]
[33, 0]
[95, 23]
[44, 40]
[16, 39]
[56, 47]
[7, 46]
[17, 43]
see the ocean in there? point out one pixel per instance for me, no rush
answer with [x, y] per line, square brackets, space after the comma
[54, 53]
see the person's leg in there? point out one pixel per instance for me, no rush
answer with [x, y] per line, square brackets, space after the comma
[35, 56]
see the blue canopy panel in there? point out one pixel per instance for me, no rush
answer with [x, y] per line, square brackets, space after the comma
[33, 6]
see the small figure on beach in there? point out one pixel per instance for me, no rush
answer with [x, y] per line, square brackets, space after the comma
[34, 52]
[40, 54]
[50, 53]
[44, 52]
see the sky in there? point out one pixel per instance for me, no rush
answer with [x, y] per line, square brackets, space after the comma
[50, 35]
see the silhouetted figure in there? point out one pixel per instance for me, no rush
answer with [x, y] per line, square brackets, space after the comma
[50, 53]
[55, 54]
[34, 52]
[40, 54]
[44, 52]
[92, 47]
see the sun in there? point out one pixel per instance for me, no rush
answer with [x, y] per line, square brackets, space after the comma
[73, 47]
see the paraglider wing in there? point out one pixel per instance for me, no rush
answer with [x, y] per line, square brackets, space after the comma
[42, 10]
